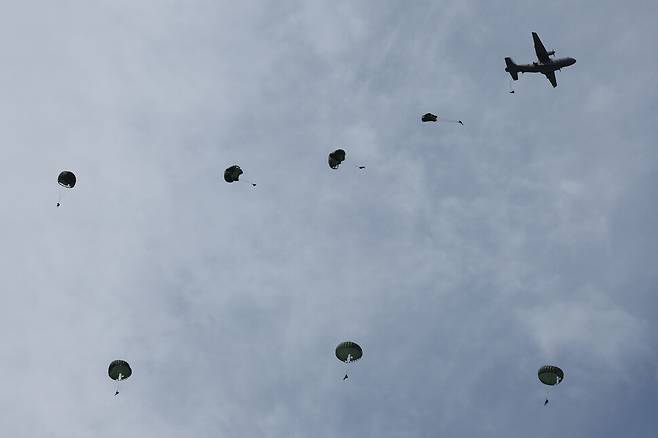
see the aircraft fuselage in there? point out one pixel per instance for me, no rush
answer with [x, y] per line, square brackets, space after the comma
[548, 67]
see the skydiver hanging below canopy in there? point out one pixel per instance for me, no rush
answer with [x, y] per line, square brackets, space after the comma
[550, 375]
[337, 157]
[348, 352]
[233, 173]
[429, 117]
[67, 180]
[119, 370]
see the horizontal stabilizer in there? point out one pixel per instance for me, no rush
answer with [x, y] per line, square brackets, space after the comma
[512, 68]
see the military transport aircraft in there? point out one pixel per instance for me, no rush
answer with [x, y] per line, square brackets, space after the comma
[545, 66]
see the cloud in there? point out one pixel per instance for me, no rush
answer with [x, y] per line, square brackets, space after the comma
[462, 259]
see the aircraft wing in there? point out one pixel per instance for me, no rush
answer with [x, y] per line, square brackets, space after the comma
[540, 50]
[551, 78]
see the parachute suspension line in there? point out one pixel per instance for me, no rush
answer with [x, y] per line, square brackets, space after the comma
[59, 196]
[511, 89]
[451, 121]
[358, 166]
[116, 392]
[347, 366]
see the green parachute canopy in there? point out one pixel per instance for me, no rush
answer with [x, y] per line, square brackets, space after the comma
[335, 158]
[429, 117]
[119, 370]
[348, 352]
[550, 375]
[232, 174]
[66, 179]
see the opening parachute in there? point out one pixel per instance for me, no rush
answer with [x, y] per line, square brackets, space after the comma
[232, 174]
[429, 117]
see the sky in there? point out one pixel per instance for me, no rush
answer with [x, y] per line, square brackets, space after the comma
[462, 259]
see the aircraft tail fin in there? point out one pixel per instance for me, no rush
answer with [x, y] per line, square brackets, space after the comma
[512, 68]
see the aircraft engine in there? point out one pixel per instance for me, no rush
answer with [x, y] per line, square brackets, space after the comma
[551, 53]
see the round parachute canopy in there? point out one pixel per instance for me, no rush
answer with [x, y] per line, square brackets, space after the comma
[429, 117]
[232, 174]
[550, 375]
[335, 158]
[119, 368]
[66, 179]
[348, 352]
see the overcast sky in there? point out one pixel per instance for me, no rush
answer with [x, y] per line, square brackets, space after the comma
[461, 260]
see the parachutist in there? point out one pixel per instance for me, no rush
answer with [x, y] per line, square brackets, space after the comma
[348, 352]
[511, 92]
[119, 370]
[232, 174]
[67, 180]
[550, 375]
[362, 167]
[429, 117]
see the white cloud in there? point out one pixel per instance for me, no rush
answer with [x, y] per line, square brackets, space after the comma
[461, 259]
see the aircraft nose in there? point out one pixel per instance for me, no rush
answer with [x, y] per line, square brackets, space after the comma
[573, 60]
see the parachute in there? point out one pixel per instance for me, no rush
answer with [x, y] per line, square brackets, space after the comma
[233, 173]
[550, 375]
[337, 157]
[119, 370]
[348, 352]
[65, 179]
[429, 117]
